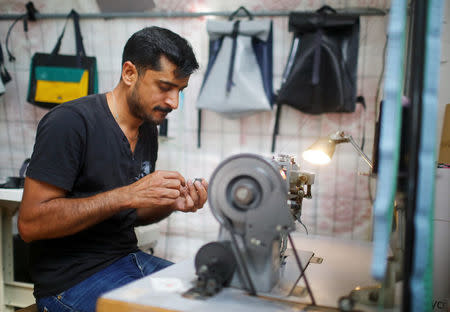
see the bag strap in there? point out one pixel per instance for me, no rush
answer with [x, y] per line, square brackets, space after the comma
[360, 99]
[326, 9]
[78, 38]
[234, 35]
[276, 127]
[316, 62]
[199, 129]
[234, 14]
[55, 50]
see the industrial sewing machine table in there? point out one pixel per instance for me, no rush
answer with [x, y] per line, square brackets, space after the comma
[346, 265]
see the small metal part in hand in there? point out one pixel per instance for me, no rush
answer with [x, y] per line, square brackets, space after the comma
[198, 179]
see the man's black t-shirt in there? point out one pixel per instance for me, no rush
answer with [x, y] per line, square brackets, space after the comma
[80, 148]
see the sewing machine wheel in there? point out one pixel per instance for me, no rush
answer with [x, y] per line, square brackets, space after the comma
[243, 183]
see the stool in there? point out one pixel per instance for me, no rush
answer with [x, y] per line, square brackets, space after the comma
[31, 308]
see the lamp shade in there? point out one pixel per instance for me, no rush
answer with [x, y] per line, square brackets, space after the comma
[320, 152]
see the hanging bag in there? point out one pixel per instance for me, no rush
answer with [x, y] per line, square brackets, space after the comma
[238, 79]
[57, 78]
[320, 75]
[321, 72]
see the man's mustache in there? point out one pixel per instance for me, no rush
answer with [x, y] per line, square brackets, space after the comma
[162, 109]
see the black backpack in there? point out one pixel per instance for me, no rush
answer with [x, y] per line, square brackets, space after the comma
[321, 71]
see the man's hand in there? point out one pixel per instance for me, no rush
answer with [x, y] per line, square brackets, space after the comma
[160, 188]
[178, 196]
[193, 196]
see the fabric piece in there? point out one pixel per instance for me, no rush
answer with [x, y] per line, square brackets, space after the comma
[81, 149]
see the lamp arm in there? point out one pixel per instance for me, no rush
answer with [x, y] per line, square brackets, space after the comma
[360, 151]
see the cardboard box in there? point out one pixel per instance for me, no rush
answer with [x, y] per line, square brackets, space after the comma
[444, 150]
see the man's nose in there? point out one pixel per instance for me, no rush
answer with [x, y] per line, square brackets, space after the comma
[172, 99]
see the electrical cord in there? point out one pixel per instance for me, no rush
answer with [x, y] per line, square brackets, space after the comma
[306, 229]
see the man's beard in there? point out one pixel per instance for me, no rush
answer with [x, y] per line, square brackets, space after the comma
[137, 108]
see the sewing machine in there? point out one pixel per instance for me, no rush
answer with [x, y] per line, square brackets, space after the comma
[256, 201]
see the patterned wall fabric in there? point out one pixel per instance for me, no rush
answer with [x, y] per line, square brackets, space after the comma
[341, 202]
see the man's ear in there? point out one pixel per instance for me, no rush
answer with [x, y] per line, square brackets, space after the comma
[129, 73]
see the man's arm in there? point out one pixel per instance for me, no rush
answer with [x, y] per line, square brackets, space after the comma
[153, 215]
[46, 213]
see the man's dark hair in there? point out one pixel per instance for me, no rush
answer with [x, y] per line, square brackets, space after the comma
[145, 48]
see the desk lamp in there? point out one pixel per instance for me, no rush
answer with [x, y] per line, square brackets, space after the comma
[322, 150]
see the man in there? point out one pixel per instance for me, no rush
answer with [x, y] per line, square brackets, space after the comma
[91, 178]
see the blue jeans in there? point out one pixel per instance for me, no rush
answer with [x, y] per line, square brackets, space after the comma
[83, 296]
